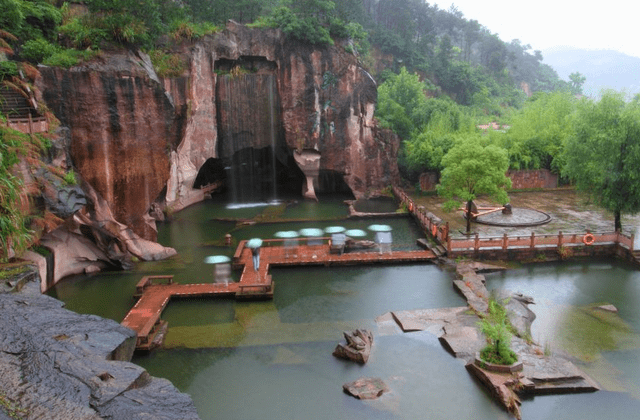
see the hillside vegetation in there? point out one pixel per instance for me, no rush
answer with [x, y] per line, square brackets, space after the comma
[439, 74]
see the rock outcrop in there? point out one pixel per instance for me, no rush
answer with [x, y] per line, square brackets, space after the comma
[57, 364]
[366, 388]
[357, 346]
[139, 139]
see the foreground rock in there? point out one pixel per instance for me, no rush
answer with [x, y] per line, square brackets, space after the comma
[56, 364]
[366, 388]
[357, 347]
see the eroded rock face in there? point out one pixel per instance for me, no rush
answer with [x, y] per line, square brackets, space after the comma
[133, 134]
[56, 364]
[122, 127]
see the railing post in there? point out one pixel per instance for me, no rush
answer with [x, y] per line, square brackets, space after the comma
[633, 238]
[505, 242]
[559, 239]
[476, 242]
[449, 245]
[533, 240]
[446, 232]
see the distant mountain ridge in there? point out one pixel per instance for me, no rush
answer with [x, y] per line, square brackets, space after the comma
[602, 68]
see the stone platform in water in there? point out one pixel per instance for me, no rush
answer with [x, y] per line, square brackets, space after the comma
[520, 217]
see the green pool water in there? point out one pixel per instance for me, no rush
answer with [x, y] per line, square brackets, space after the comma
[272, 360]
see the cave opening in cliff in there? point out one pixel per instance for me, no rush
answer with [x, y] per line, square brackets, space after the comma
[332, 182]
[212, 172]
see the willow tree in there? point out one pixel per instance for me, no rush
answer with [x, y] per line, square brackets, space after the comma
[470, 170]
[603, 156]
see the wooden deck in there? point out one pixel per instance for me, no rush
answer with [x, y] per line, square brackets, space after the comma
[144, 317]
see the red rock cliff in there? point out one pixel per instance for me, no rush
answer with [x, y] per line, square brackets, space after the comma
[132, 134]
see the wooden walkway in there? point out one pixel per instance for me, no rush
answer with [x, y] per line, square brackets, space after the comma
[155, 292]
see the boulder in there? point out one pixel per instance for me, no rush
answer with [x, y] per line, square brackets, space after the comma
[357, 347]
[366, 388]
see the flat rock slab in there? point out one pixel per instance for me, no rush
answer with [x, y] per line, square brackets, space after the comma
[462, 341]
[431, 320]
[366, 388]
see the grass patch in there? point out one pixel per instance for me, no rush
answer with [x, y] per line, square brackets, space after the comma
[167, 64]
[12, 271]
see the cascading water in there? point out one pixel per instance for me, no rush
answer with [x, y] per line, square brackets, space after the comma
[248, 118]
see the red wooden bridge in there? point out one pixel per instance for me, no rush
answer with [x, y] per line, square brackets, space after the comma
[154, 292]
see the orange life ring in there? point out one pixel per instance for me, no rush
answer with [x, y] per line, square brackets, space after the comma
[588, 239]
[434, 230]
[410, 205]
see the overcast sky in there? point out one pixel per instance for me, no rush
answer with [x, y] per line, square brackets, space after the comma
[545, 24]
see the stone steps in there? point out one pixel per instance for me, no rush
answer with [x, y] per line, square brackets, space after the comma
[15, 105]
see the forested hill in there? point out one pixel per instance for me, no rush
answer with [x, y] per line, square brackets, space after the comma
[455, 56]
[602, 68]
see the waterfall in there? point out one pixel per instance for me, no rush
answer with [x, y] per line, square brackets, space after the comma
[248, 128]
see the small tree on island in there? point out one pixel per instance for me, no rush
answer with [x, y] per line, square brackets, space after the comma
[495, 327]
[471, 169]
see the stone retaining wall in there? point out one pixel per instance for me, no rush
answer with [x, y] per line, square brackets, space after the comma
[520, 180]
[532, 179]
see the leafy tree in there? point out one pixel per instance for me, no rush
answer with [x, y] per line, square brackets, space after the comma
[539, 131]
[441, 122]
[399, 99]
[603, 156]
[471, 169]
[576, 82]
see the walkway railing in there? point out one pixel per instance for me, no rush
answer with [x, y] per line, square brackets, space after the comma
[534, 241]
[428, 221]
[439, 230]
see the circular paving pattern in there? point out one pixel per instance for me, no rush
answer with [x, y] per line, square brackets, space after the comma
[519, 217]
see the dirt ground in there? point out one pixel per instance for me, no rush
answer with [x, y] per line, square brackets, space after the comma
[570, 211]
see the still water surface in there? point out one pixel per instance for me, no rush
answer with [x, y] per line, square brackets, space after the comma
[272, 360]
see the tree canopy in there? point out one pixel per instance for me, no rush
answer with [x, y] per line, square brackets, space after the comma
[603, 154]
[471, 169]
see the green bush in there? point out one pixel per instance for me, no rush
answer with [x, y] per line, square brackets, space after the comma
[495, 326]
[70, 178]
[167, 65]
[37, 50]
[13, 230]
[8, 69]
[83, 32]
[185, 29]
[69, 58]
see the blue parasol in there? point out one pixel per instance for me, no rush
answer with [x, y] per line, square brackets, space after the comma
[286, 234]
[217, 259]
[356, 233]
[311, 232]
[334, 229]
[380, 228]
[254, 243]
